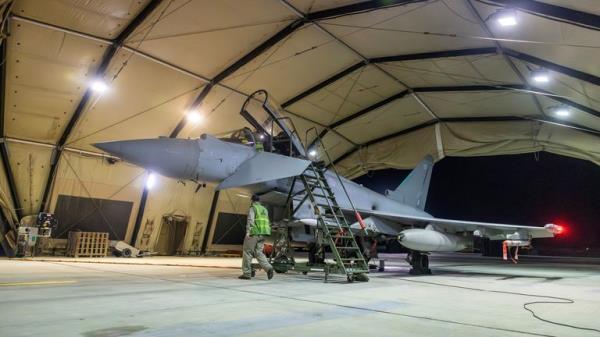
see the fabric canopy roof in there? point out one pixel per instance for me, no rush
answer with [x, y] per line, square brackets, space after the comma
[384, 82]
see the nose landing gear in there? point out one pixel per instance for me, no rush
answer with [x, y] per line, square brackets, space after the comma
[419, 263]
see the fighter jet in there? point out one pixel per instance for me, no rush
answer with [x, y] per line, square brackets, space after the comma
[235, 162]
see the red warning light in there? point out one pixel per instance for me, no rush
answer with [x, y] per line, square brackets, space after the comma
[560, 228]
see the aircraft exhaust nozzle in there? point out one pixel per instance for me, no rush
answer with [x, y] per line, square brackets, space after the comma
[171, 157]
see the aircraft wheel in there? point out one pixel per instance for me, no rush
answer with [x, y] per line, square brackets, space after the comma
[419, 263]
[361, 278]
[424, 265]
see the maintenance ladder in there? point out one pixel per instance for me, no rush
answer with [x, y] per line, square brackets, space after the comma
[337, 234]
[332, 229]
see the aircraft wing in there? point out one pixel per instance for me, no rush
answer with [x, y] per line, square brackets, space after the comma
[264, 166]
[486, 229]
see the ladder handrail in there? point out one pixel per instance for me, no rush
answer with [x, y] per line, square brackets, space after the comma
[320, 141]
[326, 231]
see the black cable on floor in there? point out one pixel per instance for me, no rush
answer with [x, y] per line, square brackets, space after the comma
[372, 310]
[562, 300]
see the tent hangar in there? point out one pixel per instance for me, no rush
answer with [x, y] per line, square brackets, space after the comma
[382, 81]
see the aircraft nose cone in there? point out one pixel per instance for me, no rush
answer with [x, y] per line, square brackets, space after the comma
[171, 157]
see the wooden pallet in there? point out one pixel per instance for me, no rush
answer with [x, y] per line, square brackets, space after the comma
[87, 244]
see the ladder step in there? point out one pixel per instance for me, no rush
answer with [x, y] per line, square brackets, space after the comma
[346, 248]
[328, 216]
[343, 237]
[354, 269]
[322, 196]
[326, 205]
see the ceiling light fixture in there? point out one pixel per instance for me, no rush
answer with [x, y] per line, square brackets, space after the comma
[540, 76]
[150, 181]
[506, 17]
[562, 112]
[194, 117]
[99, 86]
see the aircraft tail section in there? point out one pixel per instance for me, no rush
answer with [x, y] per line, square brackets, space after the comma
[413, 190]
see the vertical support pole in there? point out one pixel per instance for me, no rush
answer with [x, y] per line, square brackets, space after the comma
[211, 216]
[139, 216]
[438, 141]
[4, 229]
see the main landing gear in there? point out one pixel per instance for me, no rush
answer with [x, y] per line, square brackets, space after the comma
[419, 263]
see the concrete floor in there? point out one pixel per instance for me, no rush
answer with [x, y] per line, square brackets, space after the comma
[151, 297]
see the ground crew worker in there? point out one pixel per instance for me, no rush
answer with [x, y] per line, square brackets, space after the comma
[257, 227]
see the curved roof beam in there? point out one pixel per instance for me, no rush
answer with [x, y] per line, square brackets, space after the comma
[282, 34]
[257, 51]
[463, 88]
[110, 52]
[403, 93]
[323, 84]
[553, 11]
[580, 75]
[468, 88]
[357, 8]
[12, 187]
[395, 58]
[547, 120]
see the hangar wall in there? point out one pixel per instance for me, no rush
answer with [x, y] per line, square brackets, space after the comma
[94, 177]
[83, 175]
[29, 164]
[169, 197]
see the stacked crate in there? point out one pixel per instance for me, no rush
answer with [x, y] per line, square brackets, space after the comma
[87, 244]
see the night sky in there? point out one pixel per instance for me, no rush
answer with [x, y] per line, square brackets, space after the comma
[516, 189]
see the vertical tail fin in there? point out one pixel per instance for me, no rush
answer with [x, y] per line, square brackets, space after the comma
[413, 190]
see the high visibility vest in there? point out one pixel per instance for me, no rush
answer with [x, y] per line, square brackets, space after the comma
[262, 225]
[259, 146]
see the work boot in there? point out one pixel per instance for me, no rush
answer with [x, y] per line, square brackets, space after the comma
[270, 273]
[244, 277]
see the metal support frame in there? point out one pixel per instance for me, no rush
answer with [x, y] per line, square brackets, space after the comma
[360, 7]
[384, 59]
[547, 120]
[282, 34]
[273, 40]
[436, 55]
[267, 44]
[3, 147]
[140, 214]
[209, 222]
[4, 228]
[508, 60]
[464, 88]
[361, 56]
[354, 9]
[257, 51]
[580, 75]
[553, 11]
[104, 63]
[323, 84]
